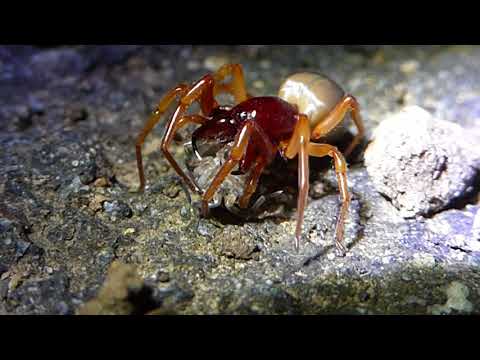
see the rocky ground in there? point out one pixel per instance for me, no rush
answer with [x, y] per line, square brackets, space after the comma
[76, 237]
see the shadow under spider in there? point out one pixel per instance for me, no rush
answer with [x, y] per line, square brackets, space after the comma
[281, 177]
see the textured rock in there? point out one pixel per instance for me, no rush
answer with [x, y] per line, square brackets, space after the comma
[420, 163]
[457, 300]
[47, 296]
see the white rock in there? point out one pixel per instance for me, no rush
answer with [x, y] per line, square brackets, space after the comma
[457, 294]
[421, 163]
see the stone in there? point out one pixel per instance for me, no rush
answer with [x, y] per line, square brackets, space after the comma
[118, 293]
[117, 209]
[457, 300]
[422, 164]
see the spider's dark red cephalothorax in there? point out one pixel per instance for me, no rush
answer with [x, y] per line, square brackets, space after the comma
[308, 107]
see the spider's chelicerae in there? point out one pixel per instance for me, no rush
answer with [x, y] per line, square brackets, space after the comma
[308, 107]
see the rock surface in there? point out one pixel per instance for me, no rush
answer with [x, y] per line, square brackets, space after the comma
[69, 117]
[422, 164]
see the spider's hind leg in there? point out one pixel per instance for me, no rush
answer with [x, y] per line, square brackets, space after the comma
[348, 103]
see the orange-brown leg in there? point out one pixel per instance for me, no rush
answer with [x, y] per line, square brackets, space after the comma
[238, 151]
[268, 154]
[321, 150]
[236, 87]
[252, 182]
[336, 116]
[152, 121]
[202, 91]
[299, 144]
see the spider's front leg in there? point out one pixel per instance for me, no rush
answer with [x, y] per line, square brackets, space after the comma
[202, 91]
[239, 148]
[238, 151]
[268, 154]
[162, 106]
[236, 87]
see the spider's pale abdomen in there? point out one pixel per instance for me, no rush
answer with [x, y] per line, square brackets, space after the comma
[315, 95]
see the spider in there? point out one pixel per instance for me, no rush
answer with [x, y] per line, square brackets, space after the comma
[308, 107]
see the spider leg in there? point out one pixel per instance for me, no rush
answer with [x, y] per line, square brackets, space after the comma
[269, 152]
[320, 150]
[152, 121]
[236, 154]
[348, 103]
[252, 182]
[201, 91]
[299, 144]
[237, 86]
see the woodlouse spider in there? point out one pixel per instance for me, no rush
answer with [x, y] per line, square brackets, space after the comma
[308, 107]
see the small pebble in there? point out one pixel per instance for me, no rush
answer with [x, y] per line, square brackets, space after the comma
[163, 276]
[101, 182]
[184, 211]
[457, 294]
[97, 202]
[265, 64]
[76, 113]
[129, 231]
[193, 65]
[5, 275]
[62, 308]
[386, 260]
[21, 247]
[415, 300]
[140, 207]
[318, 190]
[424, 260]
[118, 209]
[409, 67]
[3, 289]
[258, 84]
[3, 269]
[14, 281]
